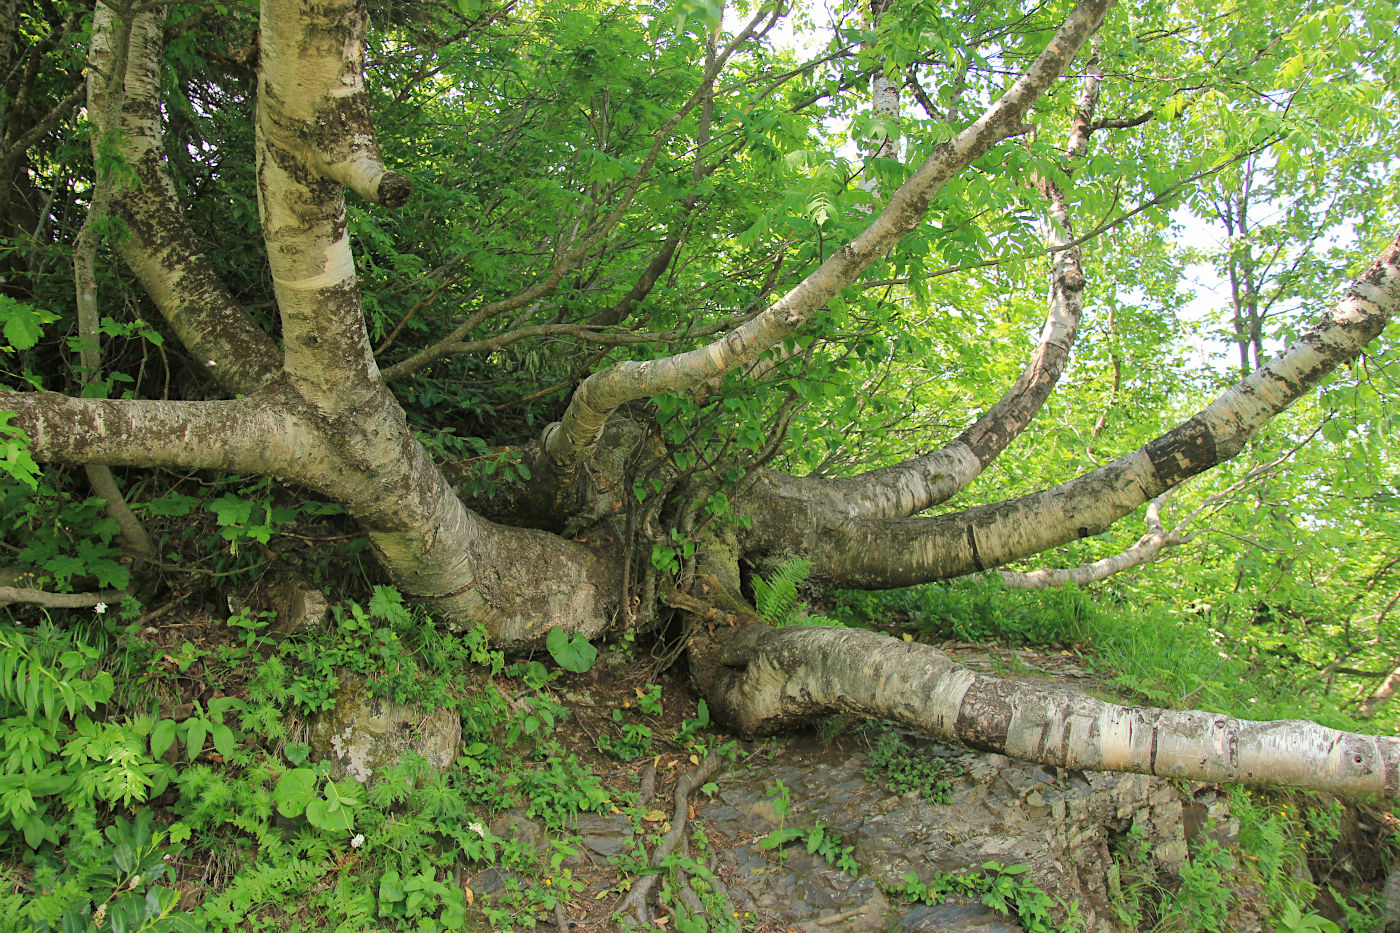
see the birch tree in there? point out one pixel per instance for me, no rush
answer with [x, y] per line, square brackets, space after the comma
[683, 351]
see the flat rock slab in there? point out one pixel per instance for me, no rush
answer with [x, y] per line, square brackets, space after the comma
[1058, 822]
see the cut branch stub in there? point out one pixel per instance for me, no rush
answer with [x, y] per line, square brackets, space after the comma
[312, 98]
[314, 139]
[765, 680]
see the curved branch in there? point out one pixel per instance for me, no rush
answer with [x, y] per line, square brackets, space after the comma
[572, 439]
[925, 481]
[159, 246]
[1156, 540]
[901, 552]
[763, 680]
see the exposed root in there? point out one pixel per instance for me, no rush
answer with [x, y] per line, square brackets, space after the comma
[687, 784]
[647, 786]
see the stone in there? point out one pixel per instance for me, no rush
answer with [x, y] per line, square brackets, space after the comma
[953, 918]
[1064, 824]
[295, 603]
[607, 834]
[517, 825]
[364, 735]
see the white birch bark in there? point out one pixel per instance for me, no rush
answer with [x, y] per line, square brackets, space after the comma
[764, 680]
[884, 102]
[900, 552]
[571, 440]
[245, 435]
[314, 139]
[326, 421]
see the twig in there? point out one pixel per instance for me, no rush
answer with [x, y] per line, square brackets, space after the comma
[843, 915]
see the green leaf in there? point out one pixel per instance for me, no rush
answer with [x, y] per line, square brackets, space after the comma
[294, 791]
[171, 506]
[572, 654]
[223, 739]
[22, 324]
[196, 731]
[390, 888]
[780, 837]
[330, 816]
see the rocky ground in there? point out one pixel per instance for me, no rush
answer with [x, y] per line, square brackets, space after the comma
[1065, 832]
[1064, 825]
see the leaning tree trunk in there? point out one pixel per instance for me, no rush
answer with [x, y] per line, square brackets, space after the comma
[763, 680]
[318, 413]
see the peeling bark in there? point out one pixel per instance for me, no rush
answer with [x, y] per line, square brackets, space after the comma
[763, 680]
[159, 246]
[321, 416]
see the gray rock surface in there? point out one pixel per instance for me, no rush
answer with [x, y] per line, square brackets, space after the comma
[1060, 823]
[363, 734]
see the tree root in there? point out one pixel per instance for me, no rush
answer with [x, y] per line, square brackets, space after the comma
[686, 784]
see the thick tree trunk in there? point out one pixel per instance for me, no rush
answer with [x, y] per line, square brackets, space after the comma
[762, 680]
[327, 421]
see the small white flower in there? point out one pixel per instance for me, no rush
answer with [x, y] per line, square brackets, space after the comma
[358, 841]
[478, 829]
[100, 608]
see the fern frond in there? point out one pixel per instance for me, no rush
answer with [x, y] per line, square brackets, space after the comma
[263, 886]
[776, 598]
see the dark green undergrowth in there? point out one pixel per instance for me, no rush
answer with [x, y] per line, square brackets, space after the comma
[158, 779]
[183, 799]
